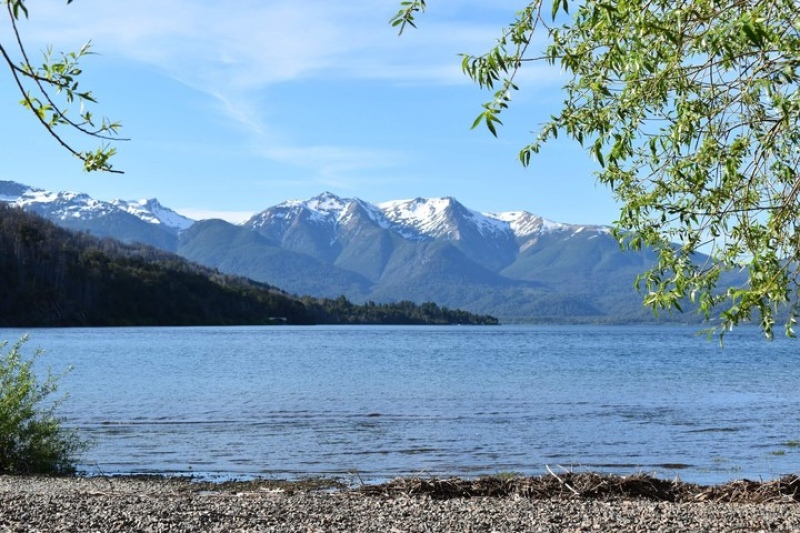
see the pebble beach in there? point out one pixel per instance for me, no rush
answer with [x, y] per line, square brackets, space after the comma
[30, 504]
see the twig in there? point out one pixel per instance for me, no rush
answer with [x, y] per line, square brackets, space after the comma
[562, 481]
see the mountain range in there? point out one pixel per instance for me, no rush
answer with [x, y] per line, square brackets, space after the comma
[513, 265]
[51, 276]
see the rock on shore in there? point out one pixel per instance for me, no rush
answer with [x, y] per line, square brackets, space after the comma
[159, 505]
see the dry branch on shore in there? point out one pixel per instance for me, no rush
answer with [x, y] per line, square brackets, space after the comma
[571, 485]
[553, 486]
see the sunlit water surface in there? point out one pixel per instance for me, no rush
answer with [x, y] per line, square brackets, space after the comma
[372, 403]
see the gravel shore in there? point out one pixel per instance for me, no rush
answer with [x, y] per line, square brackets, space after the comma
[166, 505]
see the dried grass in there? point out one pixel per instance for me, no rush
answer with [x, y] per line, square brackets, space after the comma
[570, 485]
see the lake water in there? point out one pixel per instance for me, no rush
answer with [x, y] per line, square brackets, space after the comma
[371, 403]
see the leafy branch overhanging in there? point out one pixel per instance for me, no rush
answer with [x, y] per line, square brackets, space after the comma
[58, 75]
[692, 111]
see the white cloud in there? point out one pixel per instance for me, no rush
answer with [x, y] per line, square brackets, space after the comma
[234, 51]
[333, 166]
[249, 44]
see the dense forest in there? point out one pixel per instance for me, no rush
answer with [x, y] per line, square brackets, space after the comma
[50, 276]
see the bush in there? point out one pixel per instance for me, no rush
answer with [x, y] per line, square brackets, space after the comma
[32, 438]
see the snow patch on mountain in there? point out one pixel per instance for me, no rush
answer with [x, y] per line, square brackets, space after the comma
[439, 217]
[435, 217]
[327, 204]
[65, 205]
[487, 224]
[68, 205]
[424, 216]
[324, 208]
[355, 208]
[523, 223]
[153, 212]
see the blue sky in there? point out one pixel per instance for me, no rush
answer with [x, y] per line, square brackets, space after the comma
[235, 106]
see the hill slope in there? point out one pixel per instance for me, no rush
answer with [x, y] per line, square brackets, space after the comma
[54, 277]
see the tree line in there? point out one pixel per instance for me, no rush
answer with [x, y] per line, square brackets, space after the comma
[341, 311]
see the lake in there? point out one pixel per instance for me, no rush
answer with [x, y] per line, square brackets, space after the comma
[368, 403]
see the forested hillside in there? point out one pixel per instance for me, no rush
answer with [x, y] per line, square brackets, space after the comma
[50, 276]
[53, 277]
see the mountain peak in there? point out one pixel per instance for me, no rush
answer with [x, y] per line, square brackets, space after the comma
[327, 203]
[325, 207]
[438, 217]
[74, 206]
[151, 210]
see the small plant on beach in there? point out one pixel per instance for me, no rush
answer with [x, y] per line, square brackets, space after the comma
[506, 475]
[33, 439]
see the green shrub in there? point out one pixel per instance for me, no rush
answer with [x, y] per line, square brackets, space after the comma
[32, 438]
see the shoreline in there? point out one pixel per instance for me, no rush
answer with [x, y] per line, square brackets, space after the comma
[566, 485]
[154, 503]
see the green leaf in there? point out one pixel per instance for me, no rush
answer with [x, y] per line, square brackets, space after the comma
[525, 157]
[490, 124]
[17, 6]
[480, 118]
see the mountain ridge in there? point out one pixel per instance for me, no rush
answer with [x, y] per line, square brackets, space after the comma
[418, 217]
[515, 265]
[52, 276]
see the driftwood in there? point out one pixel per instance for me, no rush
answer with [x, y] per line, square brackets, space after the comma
[570, 485]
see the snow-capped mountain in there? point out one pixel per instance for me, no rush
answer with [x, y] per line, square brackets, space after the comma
[420, 218]
[63, 205]
[153, 212]
[78, 206]
[324, 226]
[440, 218]
[512, 264]
[145, 221]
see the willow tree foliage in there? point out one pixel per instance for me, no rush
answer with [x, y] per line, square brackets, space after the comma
[691, 108]
[50, 90]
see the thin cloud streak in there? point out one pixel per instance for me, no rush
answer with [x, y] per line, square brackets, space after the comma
[333, 162]
[235, 54]
[209, 44]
